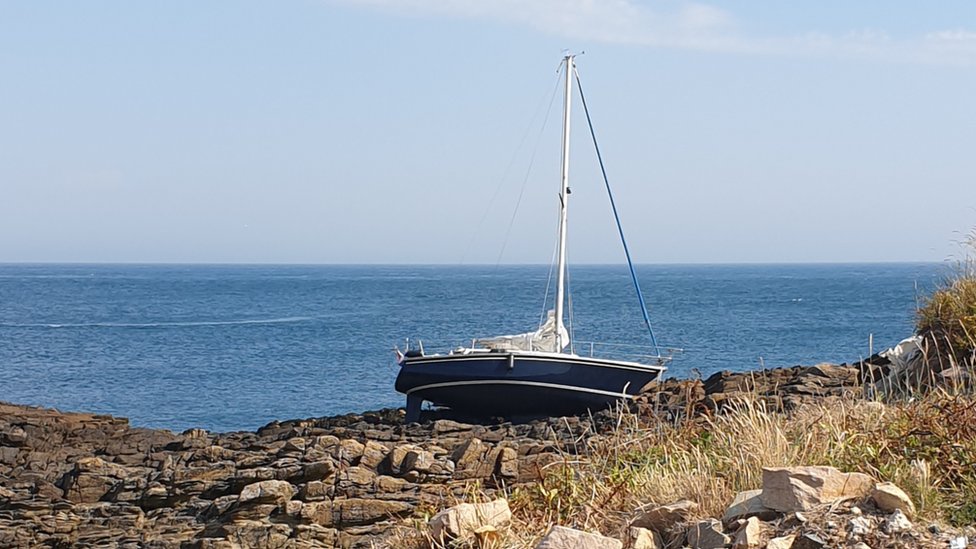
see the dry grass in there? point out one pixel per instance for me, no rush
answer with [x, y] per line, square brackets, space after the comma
[928, 447]
[947, 318]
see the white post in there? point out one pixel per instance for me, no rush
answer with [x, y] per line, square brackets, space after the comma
[563, 198]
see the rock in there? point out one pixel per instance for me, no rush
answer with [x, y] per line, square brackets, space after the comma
[707, 534]
[462, 521]
[889, 497]
[663, 517]
[317, 512]
[561, 537]
[267, 491]
[642, 538]
[748, 504]
[789, 489]
[896, 523]
[749, 535]
[859, 526]
[360, 511]
[373, 454]
[808, 541]
[785, 542]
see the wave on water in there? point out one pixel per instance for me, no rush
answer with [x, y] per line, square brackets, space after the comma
[192, 324]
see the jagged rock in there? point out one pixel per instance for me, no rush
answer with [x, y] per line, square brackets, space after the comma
[319, 513]
[561, 537]
[789, 489]
[267, 491]
[896, 522]
[859, 526]
[748, 504]
[642, 538]
[473, 459]
[889, 497]
[707, 534]
[784, 542]
[663, 517]
[359, 511]
[373, 454]
[508, 465]
[808, 541]
[462, 521]
[749, 535]
[317, 491]
[93, 479]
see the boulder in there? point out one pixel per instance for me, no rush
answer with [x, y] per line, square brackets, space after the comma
[748, 504]
[663, 517]
[464, 520]
[889, 497]
[749, 535]
[707, 534]
[790, 489]
[785, 542]
[267, 491]
[561, 537]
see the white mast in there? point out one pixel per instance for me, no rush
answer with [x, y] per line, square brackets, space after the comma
[563, 198]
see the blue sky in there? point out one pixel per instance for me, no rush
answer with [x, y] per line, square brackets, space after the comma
[382, 131]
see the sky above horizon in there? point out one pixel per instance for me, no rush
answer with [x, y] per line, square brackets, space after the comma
[419, 131]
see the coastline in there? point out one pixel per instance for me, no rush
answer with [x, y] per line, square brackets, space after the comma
[349, 481]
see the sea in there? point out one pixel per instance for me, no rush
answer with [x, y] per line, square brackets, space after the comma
[234, 347]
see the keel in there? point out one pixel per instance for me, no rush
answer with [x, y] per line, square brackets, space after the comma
[413, 409]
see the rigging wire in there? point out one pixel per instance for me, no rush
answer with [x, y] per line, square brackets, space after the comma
[613, 205]
[508, 169]
[545, 297]
[528, 172]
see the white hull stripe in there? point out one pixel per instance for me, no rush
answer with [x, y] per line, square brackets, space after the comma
[514, 382]
[519, 357]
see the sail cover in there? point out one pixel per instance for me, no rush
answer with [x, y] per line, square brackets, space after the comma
[543, 339]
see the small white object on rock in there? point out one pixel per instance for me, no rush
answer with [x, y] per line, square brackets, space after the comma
[465, 520]
[959, 543]
[561, 537]
[889, 497]
[896, 523]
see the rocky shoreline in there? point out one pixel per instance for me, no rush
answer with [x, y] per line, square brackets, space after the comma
[69, 479]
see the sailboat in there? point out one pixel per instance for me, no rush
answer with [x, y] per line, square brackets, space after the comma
[537, 373]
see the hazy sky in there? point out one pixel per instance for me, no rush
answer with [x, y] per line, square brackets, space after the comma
[386, 131]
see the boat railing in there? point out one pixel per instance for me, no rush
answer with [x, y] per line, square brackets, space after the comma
[629, 352]
[626, 351]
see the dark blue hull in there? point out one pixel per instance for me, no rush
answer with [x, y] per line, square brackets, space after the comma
[503, 384]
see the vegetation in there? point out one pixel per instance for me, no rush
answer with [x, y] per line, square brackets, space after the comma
[947, 318]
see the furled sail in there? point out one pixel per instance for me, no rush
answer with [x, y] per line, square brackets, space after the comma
[543, 339]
